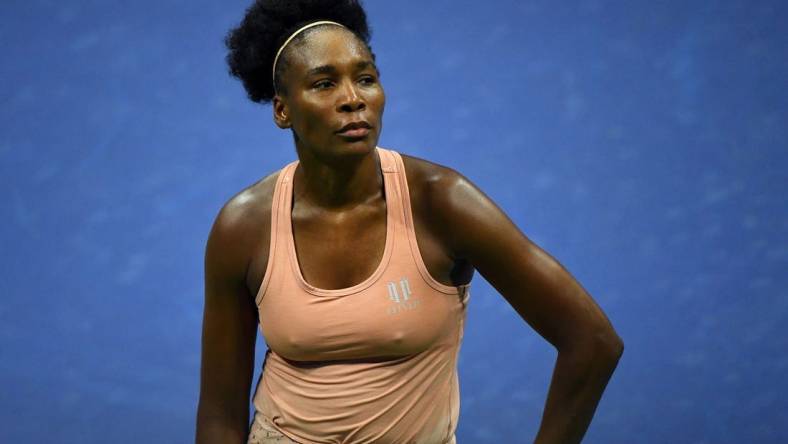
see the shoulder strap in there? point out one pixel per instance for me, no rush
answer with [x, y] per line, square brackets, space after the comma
[277, 204]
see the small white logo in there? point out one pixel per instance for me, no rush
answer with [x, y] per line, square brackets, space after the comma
[401, 296]
[394, 294]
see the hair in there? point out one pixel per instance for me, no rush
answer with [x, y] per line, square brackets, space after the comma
[267, 24]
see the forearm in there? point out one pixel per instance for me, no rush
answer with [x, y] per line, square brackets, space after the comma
[579, 378]
[215, 429]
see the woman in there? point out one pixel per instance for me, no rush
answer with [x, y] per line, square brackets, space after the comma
[356, 261]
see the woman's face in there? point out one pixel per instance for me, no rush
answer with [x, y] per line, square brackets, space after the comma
[331, 81]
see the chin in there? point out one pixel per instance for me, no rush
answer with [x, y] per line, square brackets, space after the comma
[363, 146]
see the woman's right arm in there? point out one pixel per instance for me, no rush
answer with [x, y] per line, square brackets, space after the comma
[229, 333]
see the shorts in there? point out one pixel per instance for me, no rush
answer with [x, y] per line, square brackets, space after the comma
[263, 432]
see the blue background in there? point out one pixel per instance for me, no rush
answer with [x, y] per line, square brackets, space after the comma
[642, 144]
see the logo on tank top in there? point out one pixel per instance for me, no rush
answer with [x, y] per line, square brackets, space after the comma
[401, 297]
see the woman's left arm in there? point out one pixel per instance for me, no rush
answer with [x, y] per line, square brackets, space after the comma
[543, 293]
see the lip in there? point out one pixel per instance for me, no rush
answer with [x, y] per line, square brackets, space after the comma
[354, 133]
[359, 124]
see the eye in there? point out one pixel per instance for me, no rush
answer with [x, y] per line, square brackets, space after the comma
[368, 80]
[322, 84]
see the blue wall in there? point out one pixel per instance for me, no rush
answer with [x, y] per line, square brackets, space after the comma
[643, 144]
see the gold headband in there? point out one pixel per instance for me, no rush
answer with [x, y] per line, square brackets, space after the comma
[293, 35]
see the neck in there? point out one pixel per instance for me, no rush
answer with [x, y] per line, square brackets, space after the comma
[337, 183]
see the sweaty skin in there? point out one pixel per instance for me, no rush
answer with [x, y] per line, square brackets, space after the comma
[339, 207]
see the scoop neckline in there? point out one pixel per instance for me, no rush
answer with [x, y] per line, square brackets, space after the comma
[389, 195]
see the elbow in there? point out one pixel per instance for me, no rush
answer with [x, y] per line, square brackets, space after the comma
[610, 345]
[609, 339]
[618, 350]
[600, 345]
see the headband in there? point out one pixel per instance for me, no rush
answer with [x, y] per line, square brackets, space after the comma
[293, 35]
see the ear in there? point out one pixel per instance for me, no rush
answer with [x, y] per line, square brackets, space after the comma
[281, 113]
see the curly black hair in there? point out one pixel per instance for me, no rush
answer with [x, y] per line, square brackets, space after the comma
[267, 24]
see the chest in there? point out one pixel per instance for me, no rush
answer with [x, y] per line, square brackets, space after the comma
[396, 316]
[341, 251]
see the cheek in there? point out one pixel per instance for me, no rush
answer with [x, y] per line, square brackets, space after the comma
[310, 120]
[377, 100]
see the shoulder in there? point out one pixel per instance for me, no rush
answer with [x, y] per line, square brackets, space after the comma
[252, 201]
[433, 179]
[449, 202]
[240, 226]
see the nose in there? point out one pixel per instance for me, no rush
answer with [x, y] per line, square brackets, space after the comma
[350, 100]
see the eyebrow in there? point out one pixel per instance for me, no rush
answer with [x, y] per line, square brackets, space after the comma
[330, 69]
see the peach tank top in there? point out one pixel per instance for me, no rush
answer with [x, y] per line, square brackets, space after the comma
[371, 363]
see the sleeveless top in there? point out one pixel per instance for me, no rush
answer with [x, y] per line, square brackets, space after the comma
[371, 363]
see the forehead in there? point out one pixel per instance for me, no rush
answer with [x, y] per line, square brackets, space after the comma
[327, 45]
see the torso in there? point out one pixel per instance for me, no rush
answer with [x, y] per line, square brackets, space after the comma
[340, 250]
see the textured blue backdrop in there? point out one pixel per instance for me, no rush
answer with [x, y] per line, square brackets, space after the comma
[641, 143]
